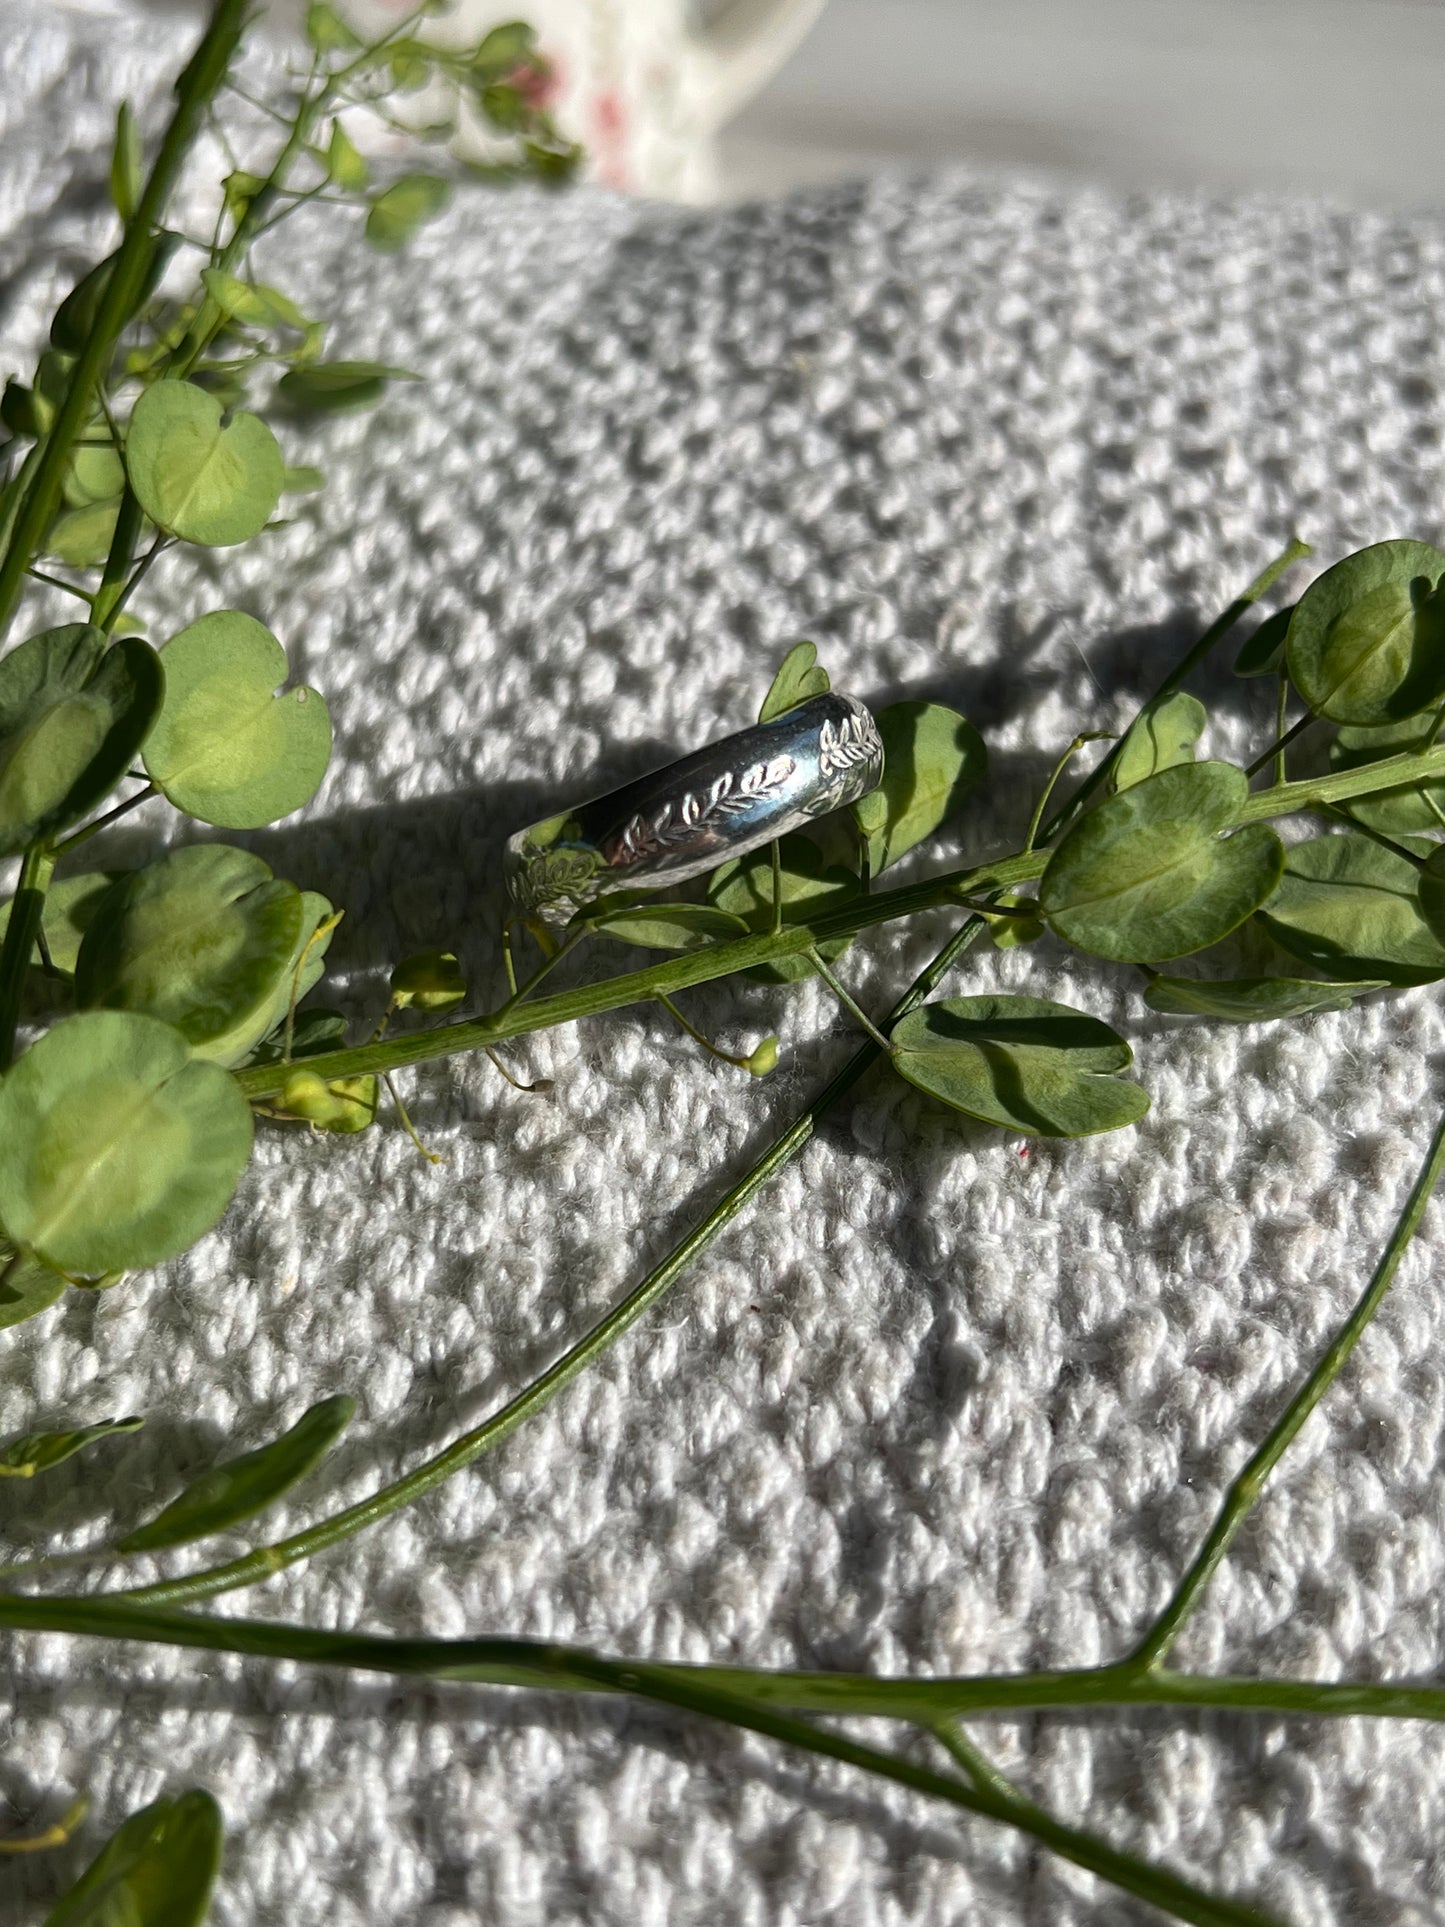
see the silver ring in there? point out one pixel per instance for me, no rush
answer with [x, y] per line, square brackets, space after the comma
[695, 814]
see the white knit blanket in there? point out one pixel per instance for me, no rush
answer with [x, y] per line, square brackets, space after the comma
[939, 1401]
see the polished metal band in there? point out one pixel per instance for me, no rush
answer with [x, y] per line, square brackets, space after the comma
[695, 814]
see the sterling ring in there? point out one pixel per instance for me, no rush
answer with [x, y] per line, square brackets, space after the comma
[688, 818]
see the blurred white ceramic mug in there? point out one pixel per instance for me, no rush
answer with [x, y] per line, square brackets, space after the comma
[645, 85]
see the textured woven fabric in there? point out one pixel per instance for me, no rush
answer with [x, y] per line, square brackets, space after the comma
[939, 1401]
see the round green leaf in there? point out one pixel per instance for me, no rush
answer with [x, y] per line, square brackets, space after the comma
[204, 938]
[28, 1286]
[1353, 910]
[195, 477]
[1022, 1062]
[1367, 638]
[1251, 1000]
[406, 205]
[932, 758]
[240, 1488]
[1409, 808]
[1150, 874]
[117, 1149]
[1163, 737]
[96, 474]
[226, 747]
[74, 711]
[744, 889]
[798, 678]
[156, 1870]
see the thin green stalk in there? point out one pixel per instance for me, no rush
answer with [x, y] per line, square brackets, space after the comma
[1276, 750]
[694, 1690]
[21, 933]
[849, 1003]
[1177, 677]
[266, 1560]
[540, 1664]
[110, 596]
[194, 89]
[516, 1018]
[89, 830]
[1247, 1487]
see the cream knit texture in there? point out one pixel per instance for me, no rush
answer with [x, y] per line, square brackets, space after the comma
[940, 1400]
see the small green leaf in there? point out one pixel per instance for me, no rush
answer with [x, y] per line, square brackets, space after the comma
[1251, 1000]
[204, 938]
[81, 538]
[259, 307]
[303, 480]
[32, 1452]
[432, 980]
[798, 678]
[932, 758]
[1162, 738]
[344, 165]
[117, 1149]
[1367, 639]
[240, 1488]
[1022, 1062]
[396, 214]
[1263, 652]
[337, 387]
[196, 478]
[96, 474]
[504, 49]
[1150, 874]
[1353, 910]
[70, 907]
[744, 889]
[156, 1870]
[327, 31]
[226, 747]
[665, 926]
[75, 317]
[1409, 808]
[127, 179]
[74, 710]
[28, 1286]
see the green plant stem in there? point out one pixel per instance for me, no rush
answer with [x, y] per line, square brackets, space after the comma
[695, 1690]
[266, 1560]
[849, 1003]
[21, 933]
[195, 88]
[573, 1669]
[1242, 1495]
[116, 576]
[104, 822]
[1277, 749]
[516, 1017]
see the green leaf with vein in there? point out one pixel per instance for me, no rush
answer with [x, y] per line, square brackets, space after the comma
[28, 1286]
[206, 939]
[1163, 737]
[408, 204]
[932, 759]
[117, 1149]
[240, 1488]
[1151, 873]
[338, 387]
[744, 888]
[32, 1452]
[344, 165]
[249, 302]
[666, 926]
[1251, 1000]
[799, 677]
[197, 476]
[96, 474]
[1367, 639]
[1023, 1062]
[227, 748]
[81, 537]
[327, 31]
[157, 1869]
[1408, 809]
[74, 710]
[1353, 910]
